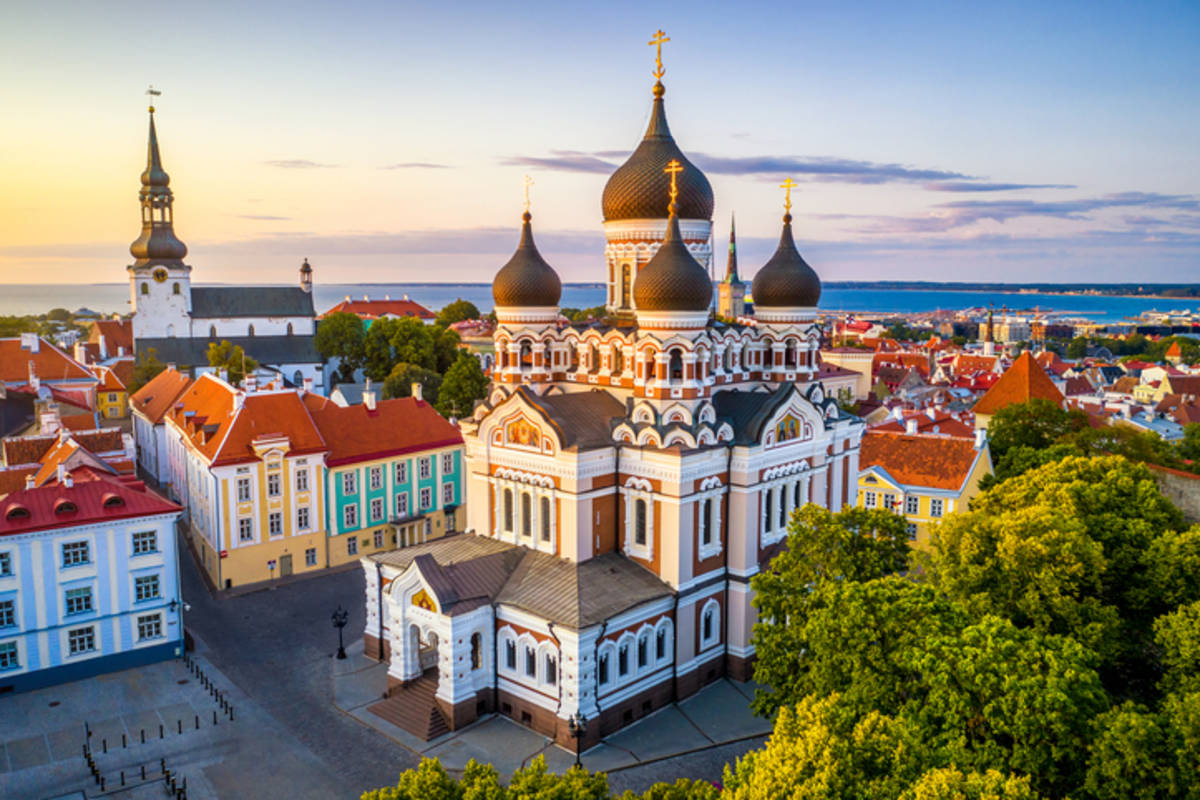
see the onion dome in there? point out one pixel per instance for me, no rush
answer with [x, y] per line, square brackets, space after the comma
[636, 189]
[672, 280]
[786, 280]
[526, 280]
[158, 241]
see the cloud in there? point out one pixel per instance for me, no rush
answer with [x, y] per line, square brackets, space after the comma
[821, 168]
[968, 211]
[416, 165]
[969, 186]
[563, 161]
[299, 163]
[263, 217]
[498, 242]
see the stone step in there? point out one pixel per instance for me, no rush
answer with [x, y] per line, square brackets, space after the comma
[414, 708]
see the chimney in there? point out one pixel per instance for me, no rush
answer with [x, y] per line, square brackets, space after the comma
[369, 400]
[417, 391]
[31, 342]
[121, 351]
[239, 400]
[223, 374]
[80, 353]
[67, 480]
[30, 482]
[308, 385]
[910, 425]
[980, 438]
[171, 366]
[61, 473]
[50, 420]
[931, 412]
[898, 413]
[250, 382]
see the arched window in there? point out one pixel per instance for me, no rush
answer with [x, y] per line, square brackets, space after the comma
[290, 331]
[572, 356]
[706, 522]
[551, 662]
[618, 359]
[145, 288]
[623, 659]
[298, 378]
[603, 675]
[250, 331]
[789, 354]
[175, 288]
[660, 644]
[526, 514]
[476, 651]
[639, 522]
[643, 651]
[510, 654]
[593, 358]
[675, 368]
[508, 510]
[768, 499]
[545, 513]
[796, 502]
[526, 354]
[708, 625]
[212, 331]
[626, 285]
[782, 506]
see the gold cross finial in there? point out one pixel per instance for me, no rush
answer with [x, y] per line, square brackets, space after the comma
[528, 182]
[657, 43]
[787, 186]
[673, 167]
[153, 94]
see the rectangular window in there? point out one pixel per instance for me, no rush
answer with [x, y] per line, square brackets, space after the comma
[145, 587]
[911, 528]
[350, 517]
[275, 524]
[302, 480]
[5, 564]
[310, 557]
[889, 501]
[243, 490]
[352, 546]
[447, 463]
[402, 505]
[349, 482]
[302, 521]
[424, 467]
[245, 529]
[376, 509]
[145, 542]
[378, 539]
[868, 499]
[75, 553]
[8, 656]
[510, 654]
[274, 485]
[911, 504]
[79, 601]
[81, 640]
[149, 627]
[530, 662]
[426, 498]
[935, 507]
[401, 472]
[447, 494]
[8, 613]
[375, 477]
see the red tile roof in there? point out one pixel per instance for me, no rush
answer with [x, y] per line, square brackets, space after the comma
[13, 478]
[942, 423]
[918, 361]
[72, 397]
[1020, 383]
[96, 497]
[935, 462]
[49, 363]
[118, 333]
[155, 398]
[1078, 386]
[965, 362]
[373, 309]
[399, 425]
[32, 449]
[1050, 362]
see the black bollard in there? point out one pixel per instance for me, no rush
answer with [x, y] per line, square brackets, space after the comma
[143, 772]
[179, 725]
[197, 722]
[104, 744]
[102, 783]
[122, 777]
[123, 742]
[214, 716]
[143, 735]
[231, 713]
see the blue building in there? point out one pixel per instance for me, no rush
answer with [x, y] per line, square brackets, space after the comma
[89, 577]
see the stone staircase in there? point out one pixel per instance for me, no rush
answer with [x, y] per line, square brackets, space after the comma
[413, 708]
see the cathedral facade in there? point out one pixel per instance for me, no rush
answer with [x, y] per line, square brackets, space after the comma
[625, 479]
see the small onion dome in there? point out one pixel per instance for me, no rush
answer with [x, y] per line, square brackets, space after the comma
[786, 280]
[636, 189]
[673, 280]
[306, 268]
[526, 280]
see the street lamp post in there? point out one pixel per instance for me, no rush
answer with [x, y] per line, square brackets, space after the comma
[577, 725]
[340, 617]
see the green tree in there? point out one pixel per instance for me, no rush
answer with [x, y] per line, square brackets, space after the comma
[536, 782]
[1181, 719]
[1077, 348]
[1172, 571]
[950, 783]
[58, 315]
[145, 367]
[1129, 756]
[400, 380]
[681, 789]
[1189, 446]
[340, 335]
[1177, 635]
[1022, 458]
[458, 311]
[232, 358]
[463, 385]
[378, 355]
[445, 348]
[1037, 423]
[413, 342]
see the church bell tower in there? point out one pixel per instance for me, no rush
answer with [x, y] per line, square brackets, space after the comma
[160, 283]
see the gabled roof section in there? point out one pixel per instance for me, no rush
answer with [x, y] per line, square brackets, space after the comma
[373, 309]
[117, 333]
[932, 462]
[748, 412]
[96, 497]
[1022, 382]
[49, 363]
[399, 425]
[250, 301]
[156, 398]
[581, 419]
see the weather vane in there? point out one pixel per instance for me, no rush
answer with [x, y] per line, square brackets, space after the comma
[787, 196]
[674, 168]
[657, 43]
[153, 94]
[528, 182]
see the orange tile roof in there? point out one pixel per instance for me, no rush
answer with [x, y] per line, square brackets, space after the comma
[96, 496]
[156, 397]
[13, 478]
[919, 361]
[78, 422]
[934, 462]
[373, 309]
[942, 423]
[1020, 383]
[399, 425]
[1174, 351]
[49, 363]
[965, 362]
[118, 332]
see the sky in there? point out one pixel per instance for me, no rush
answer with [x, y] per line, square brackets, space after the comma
[387, 141]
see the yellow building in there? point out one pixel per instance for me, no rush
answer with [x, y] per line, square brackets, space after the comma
[112, 396]
[923, 477]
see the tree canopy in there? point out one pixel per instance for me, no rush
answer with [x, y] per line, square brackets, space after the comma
[458, 311]
[145, 367]
[463, 385]
[232, 359]
[340, 335]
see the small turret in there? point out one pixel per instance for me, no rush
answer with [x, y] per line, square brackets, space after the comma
[306, 276]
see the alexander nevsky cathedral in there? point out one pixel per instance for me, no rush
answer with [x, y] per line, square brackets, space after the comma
[626, 479]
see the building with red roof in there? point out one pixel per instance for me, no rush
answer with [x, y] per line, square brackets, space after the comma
[149, 406]
[88, 576]
[387, 308]
[1020, 383]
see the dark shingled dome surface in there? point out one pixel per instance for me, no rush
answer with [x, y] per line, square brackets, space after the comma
[636, 190]
[673, 280]
[786, 280]
[526, 280]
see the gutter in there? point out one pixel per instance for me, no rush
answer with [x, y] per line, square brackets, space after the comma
[379, 587]
[725, 532]
[558, 682]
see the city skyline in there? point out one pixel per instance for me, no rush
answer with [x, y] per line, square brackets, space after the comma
[388, 144]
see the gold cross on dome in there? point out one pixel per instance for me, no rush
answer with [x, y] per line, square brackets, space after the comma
[787, 187]
[674, 168]
[528, 182]
[657, 43]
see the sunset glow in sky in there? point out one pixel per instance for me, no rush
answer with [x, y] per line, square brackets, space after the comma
[387, 141]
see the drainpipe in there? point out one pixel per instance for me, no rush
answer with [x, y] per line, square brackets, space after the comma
[379, 590]
[618, 515]
[558, 677]
[725, 531]
[495, 660]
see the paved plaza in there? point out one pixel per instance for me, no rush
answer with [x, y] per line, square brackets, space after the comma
[300, 727]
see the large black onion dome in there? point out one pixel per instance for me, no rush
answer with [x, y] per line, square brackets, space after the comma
[526, 280]
[636, 189]
[786, 280]
[672, 280]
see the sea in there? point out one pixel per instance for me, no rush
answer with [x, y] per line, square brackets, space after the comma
[108, 298]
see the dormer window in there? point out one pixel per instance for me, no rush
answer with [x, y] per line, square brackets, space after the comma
[113, 501]
[17, 514]
[65, 507]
